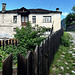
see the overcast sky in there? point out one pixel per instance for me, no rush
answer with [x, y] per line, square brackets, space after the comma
[64, 5]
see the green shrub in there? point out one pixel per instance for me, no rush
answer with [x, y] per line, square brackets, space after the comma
[3, 55]
[29, 38]
[65, 40]
[15, 50]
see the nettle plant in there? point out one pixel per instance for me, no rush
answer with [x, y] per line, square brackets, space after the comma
[3, 55]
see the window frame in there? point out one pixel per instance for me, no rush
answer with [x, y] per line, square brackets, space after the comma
[14, 29]
[14, 19]
[33, 19]
[23, 19]
[47, 19]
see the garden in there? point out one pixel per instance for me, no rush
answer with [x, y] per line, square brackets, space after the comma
[28, 37]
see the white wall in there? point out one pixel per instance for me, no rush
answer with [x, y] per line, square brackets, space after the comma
[56, 17]
[7, 20]
[7, 25]
[8, 30]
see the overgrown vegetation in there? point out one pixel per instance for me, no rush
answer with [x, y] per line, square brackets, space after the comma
[3, 55]
[28, 38]
[63, 63]
[65, 39]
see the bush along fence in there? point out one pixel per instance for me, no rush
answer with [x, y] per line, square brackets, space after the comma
[4, 43]
[37, 62]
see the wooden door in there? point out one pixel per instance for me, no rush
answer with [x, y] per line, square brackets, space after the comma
[24, 20]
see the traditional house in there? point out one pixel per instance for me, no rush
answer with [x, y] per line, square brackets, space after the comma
[10, 19]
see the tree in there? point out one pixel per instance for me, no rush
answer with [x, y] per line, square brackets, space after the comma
[73, 8]
[70, 18]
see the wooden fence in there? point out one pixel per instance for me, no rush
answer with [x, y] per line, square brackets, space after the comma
[37, 62]
[4, 43]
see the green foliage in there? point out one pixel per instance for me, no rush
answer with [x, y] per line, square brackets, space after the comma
[3, 55]
[70, 18]
[29, 38]
[65, 40]
[73, 8]
[12, 49]
[15, 50]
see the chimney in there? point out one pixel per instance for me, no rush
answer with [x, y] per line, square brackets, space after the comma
[57, 9]
[3, 7]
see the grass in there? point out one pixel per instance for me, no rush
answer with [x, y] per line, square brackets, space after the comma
[64, 61]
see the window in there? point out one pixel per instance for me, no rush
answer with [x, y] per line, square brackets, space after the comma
[34, 19]
[46, 19]
[26, 19]
[15, 19]
[14, 29]
[22, 18]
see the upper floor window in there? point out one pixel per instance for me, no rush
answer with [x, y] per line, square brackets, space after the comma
[34, 19]
[15, 19]
[46, 19]
[24, 19]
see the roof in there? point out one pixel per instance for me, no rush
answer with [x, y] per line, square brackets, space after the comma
[32, 11]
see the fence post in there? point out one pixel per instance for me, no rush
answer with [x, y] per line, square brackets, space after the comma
[3, 44]
[36, 59]
[30, 64]
[0, 43]
[51, 30]
[7, 66]
[16, 42]
[9, 41]
[12, 42]
[22, 65]
[40, 63]
[6, 42]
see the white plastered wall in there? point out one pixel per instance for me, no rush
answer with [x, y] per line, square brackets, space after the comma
[6, 23]
[7, 20]
[55, 20]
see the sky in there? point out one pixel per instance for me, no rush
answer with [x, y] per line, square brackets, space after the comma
[64, 5]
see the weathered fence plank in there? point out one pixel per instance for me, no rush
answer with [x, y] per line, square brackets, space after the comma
[6, 42]
[7, 66]
[36, 60]
[22, 65]
[29, 58]
[0, 43]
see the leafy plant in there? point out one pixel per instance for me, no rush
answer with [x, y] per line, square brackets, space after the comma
[3, 55]
[29, 38]
[70, 18]
[65, 40]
